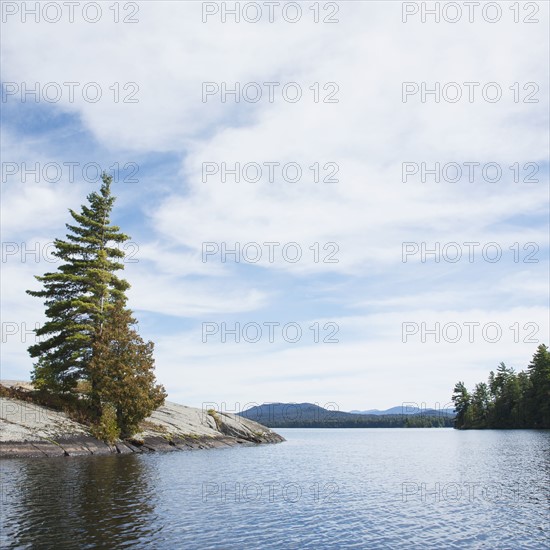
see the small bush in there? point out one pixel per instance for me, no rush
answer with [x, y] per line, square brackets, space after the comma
[107, 428]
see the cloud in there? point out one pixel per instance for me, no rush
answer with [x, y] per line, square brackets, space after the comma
[368, 213]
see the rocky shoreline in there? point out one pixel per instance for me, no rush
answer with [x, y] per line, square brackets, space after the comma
[31, 430]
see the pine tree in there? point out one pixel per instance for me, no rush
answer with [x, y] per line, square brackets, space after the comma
[480, 405]
[521, 412]
[79, 294]
[539, 395]
[461, 400]
[506, 392]
[510, 400]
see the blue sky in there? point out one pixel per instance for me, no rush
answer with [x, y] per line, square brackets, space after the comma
[170, 212]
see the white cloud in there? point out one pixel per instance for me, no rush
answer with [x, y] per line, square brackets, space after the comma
[368, 364]
[369, 213]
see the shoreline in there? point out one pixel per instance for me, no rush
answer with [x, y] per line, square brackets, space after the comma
[31, 430]
[89, 446]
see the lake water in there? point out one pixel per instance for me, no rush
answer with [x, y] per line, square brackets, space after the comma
[340, 488]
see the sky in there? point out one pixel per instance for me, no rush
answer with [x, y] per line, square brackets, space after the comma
[390, 207]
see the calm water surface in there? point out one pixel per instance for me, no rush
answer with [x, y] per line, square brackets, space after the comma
[356, 488]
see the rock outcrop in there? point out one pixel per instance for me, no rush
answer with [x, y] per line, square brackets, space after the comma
[28, 429]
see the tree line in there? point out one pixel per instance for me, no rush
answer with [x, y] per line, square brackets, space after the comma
[91, 360]
[508, 399]
[371, 421]
[309, 415]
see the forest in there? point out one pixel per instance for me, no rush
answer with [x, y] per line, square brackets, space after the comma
[508, 399]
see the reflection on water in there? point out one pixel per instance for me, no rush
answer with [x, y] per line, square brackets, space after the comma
[80, 502]
[357, 488]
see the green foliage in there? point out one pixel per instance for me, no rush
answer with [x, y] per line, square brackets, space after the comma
[122, 371]
[538, 407]
[367, 421]
[106, 428]
[479, 410]
[461, 400]
[91, 358]
[79, 294]
[427, 421]
[510, 399]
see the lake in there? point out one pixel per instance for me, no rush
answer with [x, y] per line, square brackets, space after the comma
[323, 488]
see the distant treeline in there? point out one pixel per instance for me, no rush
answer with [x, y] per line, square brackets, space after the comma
[308, 415]
[390, 421]
[508, 399]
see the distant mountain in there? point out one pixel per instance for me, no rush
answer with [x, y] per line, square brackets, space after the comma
[405, 409]
[292, 412]
[308, 415]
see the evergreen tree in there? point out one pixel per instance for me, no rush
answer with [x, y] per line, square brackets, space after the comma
[521, 411]
[123, 364]
[461, 399]
[505, 390]
[78, 295]
[89, 334]
[539, 373]
[510, 400]
[480, 405]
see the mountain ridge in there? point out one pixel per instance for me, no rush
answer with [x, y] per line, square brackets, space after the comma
[404, 409]
[309, 415]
